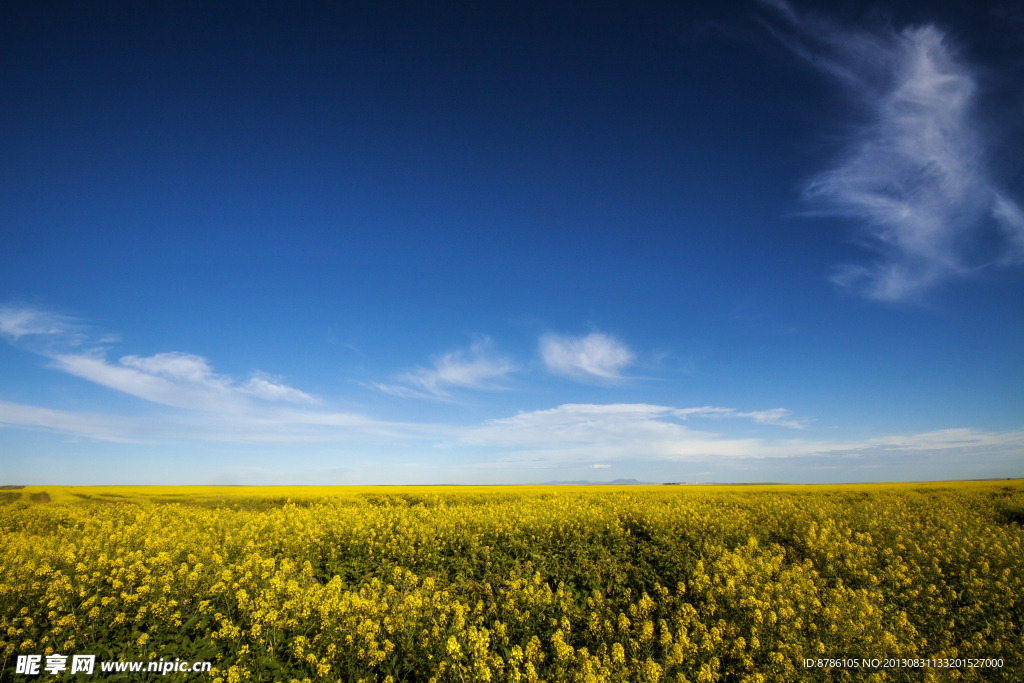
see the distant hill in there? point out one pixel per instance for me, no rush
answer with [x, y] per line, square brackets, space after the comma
[581, 482]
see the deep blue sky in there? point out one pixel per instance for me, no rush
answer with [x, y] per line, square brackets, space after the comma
[511, 242]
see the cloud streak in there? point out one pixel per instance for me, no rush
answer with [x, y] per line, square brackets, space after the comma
[44, 332]
[188, 401]
[915, 176]
[782, 417]
[775, 416]
[180, 380]
[474, 368]
[595, 356]
[209, 406]
[581, 433]
[267, 427]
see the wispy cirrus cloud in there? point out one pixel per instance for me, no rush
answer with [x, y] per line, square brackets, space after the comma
[628, 423]
[18, 322]
[188, 401]
[477, 367]
[89, 425]
[915, 176]
[595, 356]
[629, 432]
[775, 416]
[211, 406]
[266, 426]
[782, 417]
[176, 379]
[45, 332]
[704, 411]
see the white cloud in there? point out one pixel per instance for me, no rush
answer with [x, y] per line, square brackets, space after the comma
[475, 368]
[267, 426]
[572, 433]
[1011, 217]
[705, 411]
[41, 331]
[89, 425]
[914, 176]
[189, 401]
[139, 383]
[619, 430]
[209, 406]
[596, 355]
[176, 367]
[629, 432]
[775, 416]
[578, 424]
[181, 380]
[19, 322]
[269, 390]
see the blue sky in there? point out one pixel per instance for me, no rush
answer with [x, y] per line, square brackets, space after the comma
[511, 243]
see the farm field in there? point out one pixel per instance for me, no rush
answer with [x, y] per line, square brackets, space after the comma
[524, 584]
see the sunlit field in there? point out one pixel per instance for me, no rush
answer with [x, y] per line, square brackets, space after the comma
[920, 582]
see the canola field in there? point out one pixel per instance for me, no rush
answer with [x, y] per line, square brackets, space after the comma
[906, 582]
